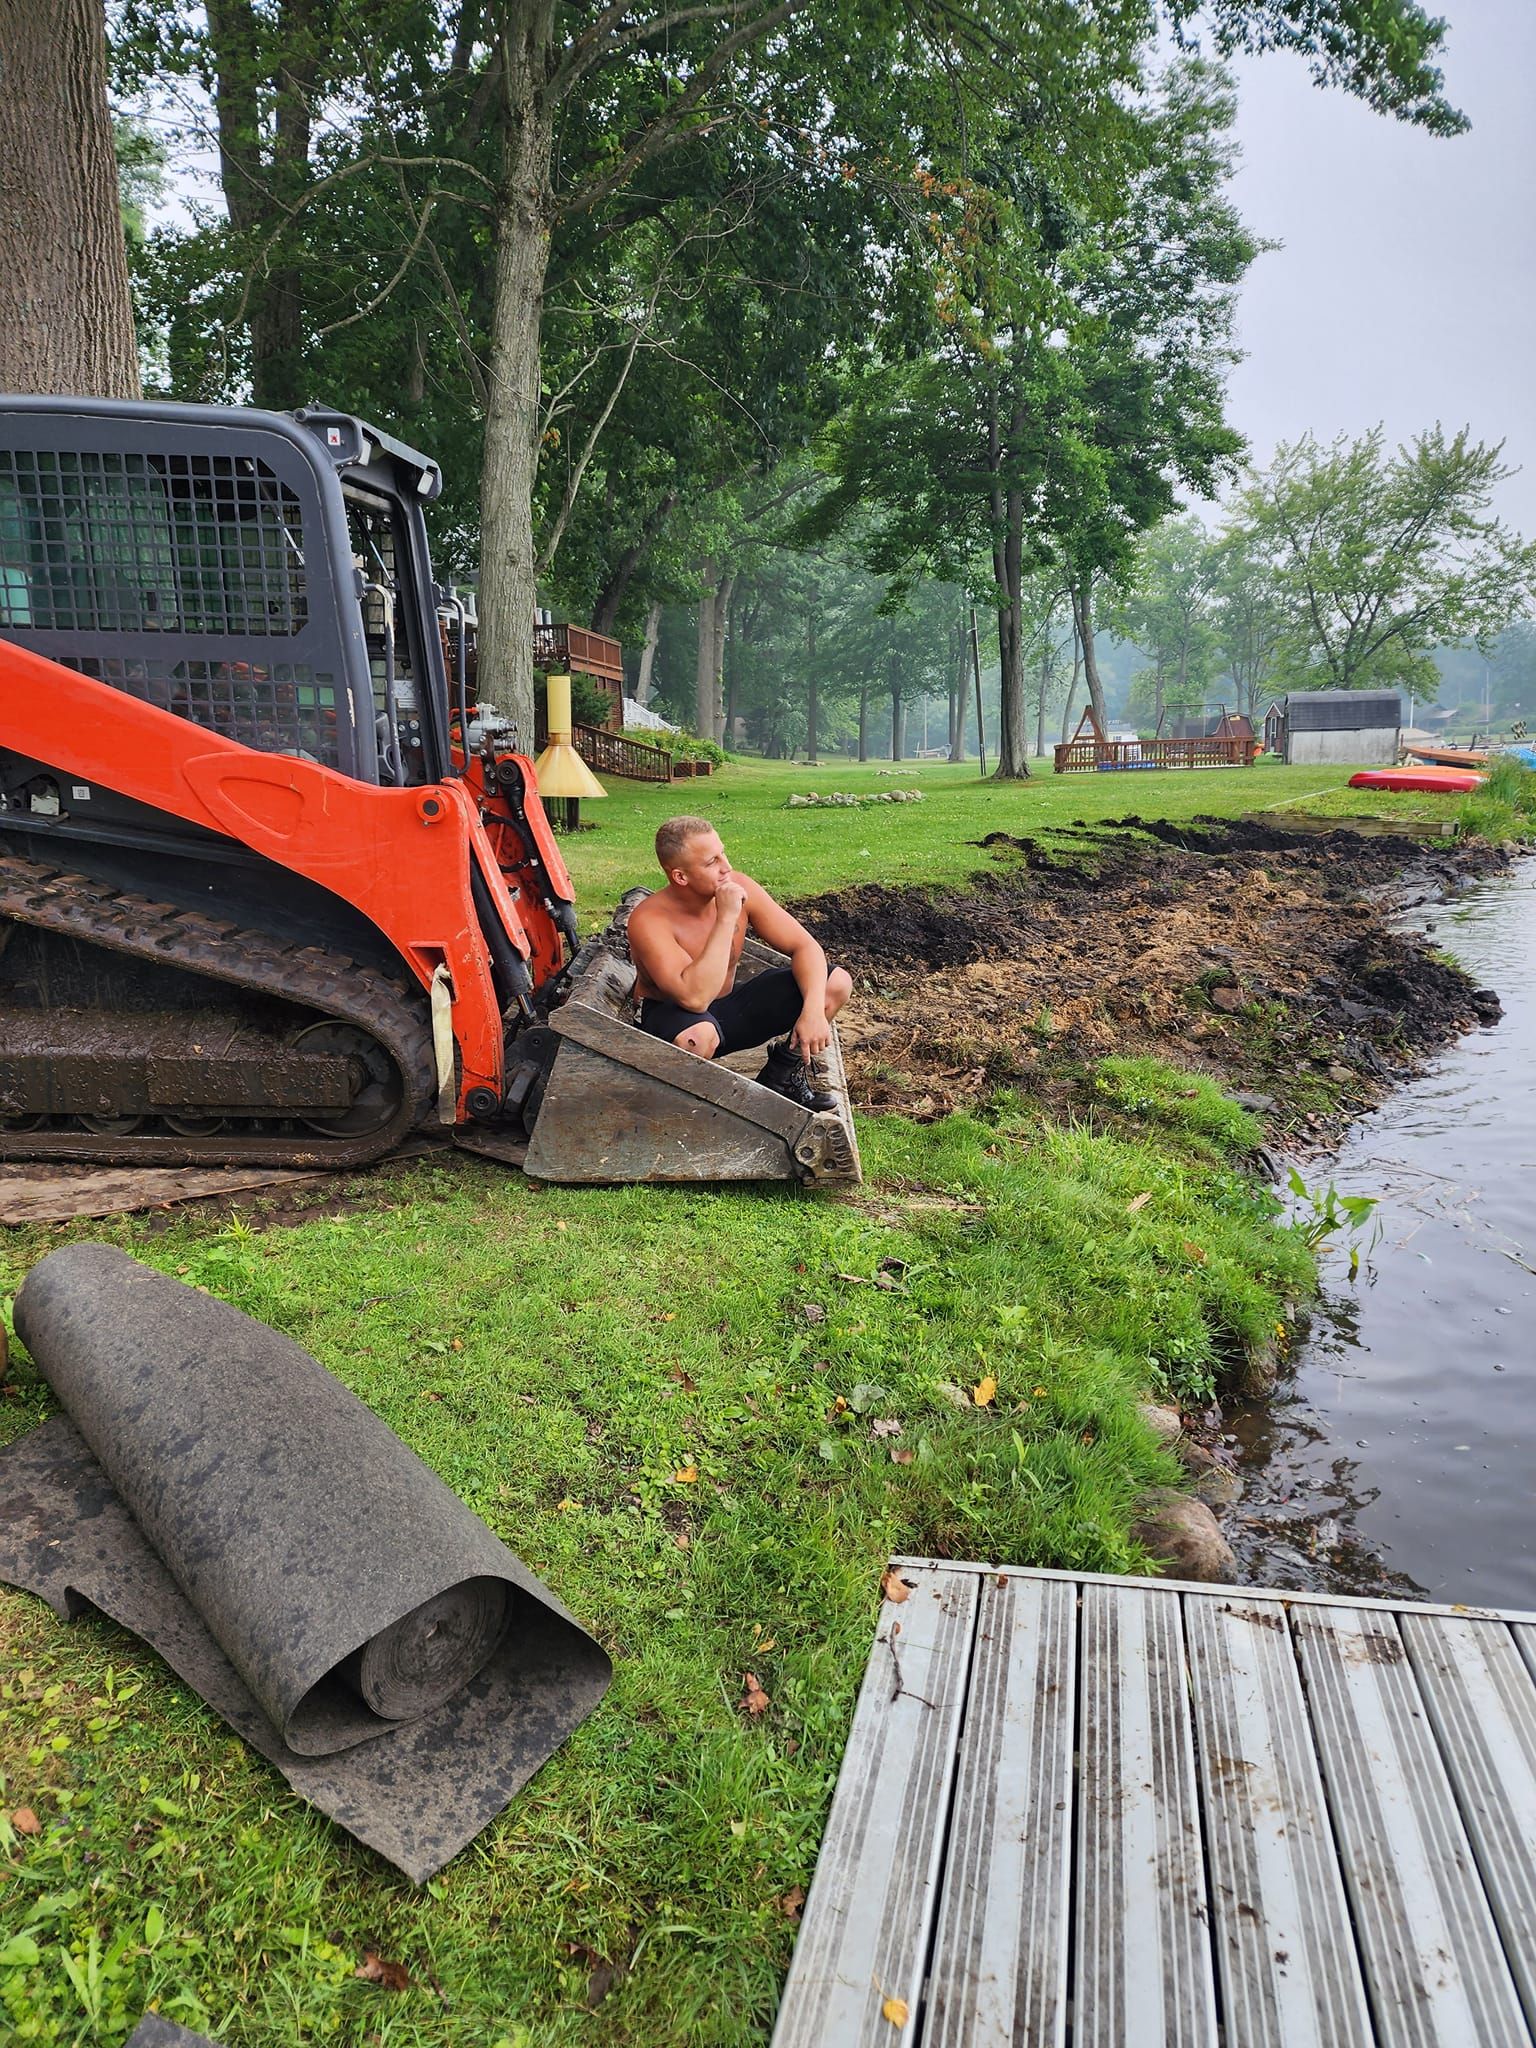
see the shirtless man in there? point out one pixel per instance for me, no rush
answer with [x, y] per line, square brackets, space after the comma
[685, 942]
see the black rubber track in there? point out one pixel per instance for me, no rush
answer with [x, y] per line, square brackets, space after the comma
[329, 984]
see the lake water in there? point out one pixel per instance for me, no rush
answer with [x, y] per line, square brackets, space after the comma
[1400, 1456]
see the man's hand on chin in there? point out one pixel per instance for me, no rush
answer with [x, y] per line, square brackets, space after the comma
[730, 901]
[812, 1034]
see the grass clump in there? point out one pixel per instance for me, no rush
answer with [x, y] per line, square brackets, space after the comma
[1190, 1105]
[1504, 808]
[706, 1417]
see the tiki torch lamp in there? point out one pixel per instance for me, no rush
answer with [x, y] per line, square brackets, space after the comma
[561, 773]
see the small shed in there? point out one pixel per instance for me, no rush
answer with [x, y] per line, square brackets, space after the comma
[1313, 728]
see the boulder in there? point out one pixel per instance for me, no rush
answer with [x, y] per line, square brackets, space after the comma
[1184, 1536]
[1163, 1422]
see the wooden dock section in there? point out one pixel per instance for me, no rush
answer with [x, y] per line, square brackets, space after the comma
[1119, 1813]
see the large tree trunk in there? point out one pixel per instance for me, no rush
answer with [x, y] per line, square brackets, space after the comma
[704, 657]
[898, 712]
[648, 654]
[264, 168]
[1008, 568]
[863, 721]
[66, 318]
[1045, 683]
[1077, 667]
[959, 684]
[1082, 611]
[722, 624]
[508, 583]
[813, 703]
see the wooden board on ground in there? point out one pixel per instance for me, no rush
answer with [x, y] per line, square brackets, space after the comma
[58, 1194]
[1134, 1812]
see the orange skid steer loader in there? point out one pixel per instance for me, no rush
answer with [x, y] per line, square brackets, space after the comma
[273, 891]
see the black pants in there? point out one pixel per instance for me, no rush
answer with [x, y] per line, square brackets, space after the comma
[750, 1014]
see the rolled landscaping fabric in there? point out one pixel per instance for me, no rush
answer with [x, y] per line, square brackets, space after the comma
[216, 1490]
[154, 2032]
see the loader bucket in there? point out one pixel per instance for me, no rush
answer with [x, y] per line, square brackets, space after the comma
[619, 1105]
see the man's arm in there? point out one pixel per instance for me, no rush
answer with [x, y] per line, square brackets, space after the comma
[808, 963]
[665, 963]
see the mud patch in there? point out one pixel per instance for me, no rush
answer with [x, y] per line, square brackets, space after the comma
[1263, 957]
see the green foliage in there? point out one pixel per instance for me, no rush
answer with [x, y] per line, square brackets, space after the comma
[1190, 1105]
[689, 747]
[1321, 1213]
[1377, 557]
[1167, 608]
[1504, 808]
[590, 702]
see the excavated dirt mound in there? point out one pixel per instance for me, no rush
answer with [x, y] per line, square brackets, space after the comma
[1261, 956]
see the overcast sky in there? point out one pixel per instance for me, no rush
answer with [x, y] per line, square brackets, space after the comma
[1406, 289]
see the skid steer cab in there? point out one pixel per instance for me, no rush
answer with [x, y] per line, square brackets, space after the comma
[275, 888]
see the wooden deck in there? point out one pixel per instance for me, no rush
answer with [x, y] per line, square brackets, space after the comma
[1125, 1812]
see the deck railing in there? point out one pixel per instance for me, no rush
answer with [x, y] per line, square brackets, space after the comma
[1076, 755]
[578, 652]
[613, 753]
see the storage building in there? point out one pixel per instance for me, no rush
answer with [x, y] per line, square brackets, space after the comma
[1354, 728]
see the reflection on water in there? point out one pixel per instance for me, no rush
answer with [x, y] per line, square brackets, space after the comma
[1398, 1456]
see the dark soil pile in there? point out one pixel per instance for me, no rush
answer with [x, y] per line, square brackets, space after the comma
[1262, 956]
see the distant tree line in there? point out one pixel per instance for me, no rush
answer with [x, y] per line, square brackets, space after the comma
[1341, 566]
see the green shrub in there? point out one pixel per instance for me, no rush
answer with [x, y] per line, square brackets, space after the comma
[689, 747]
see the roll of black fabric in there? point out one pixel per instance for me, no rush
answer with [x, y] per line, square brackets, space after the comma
[294, 1520]
[356, 1598]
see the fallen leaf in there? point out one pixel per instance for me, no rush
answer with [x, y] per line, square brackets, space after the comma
[792, 1901]
[895, 2010]
[1193, 1251]
[562, 1226]
[894, 1587]
[374, 1970]
[685, 1475]
[685, 1380]
[669, 1317]
[563, 1507]
[457, 1344]
[25, 1821]
[901, 1457]
[753, 1699]
[1138, 1202]
[887, 1426]
[682, 1539]
[984, 1393]
[814, 1312]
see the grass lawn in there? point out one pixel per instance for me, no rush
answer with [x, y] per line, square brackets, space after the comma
[801, 852]
[667, 1402]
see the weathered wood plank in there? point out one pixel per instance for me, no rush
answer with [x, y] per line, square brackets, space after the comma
[1289, 1974]
[864, 1935]
[1433, 1962]
[1143, 1956]
[1482, 1706]
[1000, 1957]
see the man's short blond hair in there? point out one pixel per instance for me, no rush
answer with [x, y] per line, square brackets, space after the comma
[673, 836]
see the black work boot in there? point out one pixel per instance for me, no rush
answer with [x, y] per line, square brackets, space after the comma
[788, 1075]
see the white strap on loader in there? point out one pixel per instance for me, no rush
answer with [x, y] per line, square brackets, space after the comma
[442, 1044]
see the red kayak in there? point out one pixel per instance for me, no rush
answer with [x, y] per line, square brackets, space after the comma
[1448, 781]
